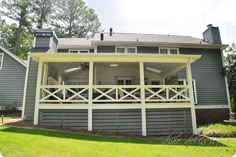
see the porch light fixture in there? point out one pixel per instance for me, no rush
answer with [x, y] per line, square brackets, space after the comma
[153, 70]
[113, 65]
[73, 69]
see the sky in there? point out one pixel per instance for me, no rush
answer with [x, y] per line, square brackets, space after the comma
[174, 17]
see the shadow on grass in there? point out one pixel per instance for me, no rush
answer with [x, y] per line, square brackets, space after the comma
[170, 140]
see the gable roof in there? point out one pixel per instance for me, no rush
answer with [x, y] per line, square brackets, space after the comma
[21, 61]
[153, 39]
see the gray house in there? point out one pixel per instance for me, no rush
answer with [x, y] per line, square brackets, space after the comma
[12, 78]
[144, 84]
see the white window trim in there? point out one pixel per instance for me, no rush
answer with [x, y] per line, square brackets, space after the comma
[126, 49]
[195, 89]
[78, 51]
[1, 65]
[168, 50]
[124, 78]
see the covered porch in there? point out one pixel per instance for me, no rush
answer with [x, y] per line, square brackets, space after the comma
[113, 81]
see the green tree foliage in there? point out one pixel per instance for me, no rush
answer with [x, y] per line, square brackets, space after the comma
[73, 18]
[230, 71]
[18, 11]
[8, 39]
[42, 10]
[69, 18]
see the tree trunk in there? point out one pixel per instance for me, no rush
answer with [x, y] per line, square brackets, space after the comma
[18, 35]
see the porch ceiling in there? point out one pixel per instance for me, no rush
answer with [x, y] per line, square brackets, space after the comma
[148, 58]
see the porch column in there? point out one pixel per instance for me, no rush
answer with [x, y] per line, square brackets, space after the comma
[37, 95]
[190, 84]
[45, 73]
[90, 104]
[141, 72]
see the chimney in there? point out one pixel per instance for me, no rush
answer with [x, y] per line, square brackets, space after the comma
[111, 31]
[45, 40]
[212, 35]
[101, 36]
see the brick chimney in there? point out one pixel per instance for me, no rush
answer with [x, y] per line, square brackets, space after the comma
[212, 35]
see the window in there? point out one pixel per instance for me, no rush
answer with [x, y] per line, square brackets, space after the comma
[163, 51]
[126, 49]
[184, 82]
[120, 50]
[155, 82]
[131, 50]
[124, 81]
[173, 51]
[78, 51]
[1, 60]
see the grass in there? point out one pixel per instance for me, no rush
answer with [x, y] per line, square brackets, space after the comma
[5, 118]
[18, 142]
[218, 130]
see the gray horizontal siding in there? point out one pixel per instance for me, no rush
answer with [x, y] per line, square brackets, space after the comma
[42, 42]
[168, 121]
[31, 90]
[74, 119]
[106, 49]
[118, 121]
[147, 49]
[12, 80]
[207, 71]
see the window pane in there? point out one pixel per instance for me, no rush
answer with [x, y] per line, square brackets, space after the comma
[131, 50]
[120, 50]
[73, 51]
[173, 51]
[84, 51]
[128, 82]
[155, 82]
[163, 51]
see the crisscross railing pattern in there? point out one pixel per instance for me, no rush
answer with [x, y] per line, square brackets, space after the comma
[116, 93]
[167, 93]
[63, 93]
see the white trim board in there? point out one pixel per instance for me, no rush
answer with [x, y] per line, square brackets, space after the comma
[1, 63]
[211, 106]
[14, 56]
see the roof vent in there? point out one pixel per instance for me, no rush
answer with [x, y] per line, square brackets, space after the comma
[111, 31]
[101, 36]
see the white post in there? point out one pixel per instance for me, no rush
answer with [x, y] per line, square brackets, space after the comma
[141, 72]
[45, 73]
[90, 104]
[190, 84]
[37, 96]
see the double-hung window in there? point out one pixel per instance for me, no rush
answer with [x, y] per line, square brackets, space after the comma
[1, 60]
[124, 49]
[172, 51]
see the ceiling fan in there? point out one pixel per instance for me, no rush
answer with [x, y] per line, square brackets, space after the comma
[153, 70]
[83, 66]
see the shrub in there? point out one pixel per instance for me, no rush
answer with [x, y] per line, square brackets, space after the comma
[8, 108]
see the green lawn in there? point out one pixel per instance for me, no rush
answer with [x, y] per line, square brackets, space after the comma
[218, 130]
[18, 142]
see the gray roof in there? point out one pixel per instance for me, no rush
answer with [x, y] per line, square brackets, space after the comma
[135, 38]
[64, 43]
[152, 38]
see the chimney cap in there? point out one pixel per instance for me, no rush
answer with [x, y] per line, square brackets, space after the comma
[209, 25]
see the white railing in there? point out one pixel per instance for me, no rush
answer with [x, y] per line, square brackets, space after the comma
[113, 93]
[116, 93]
[63, 94]
[167, 93]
